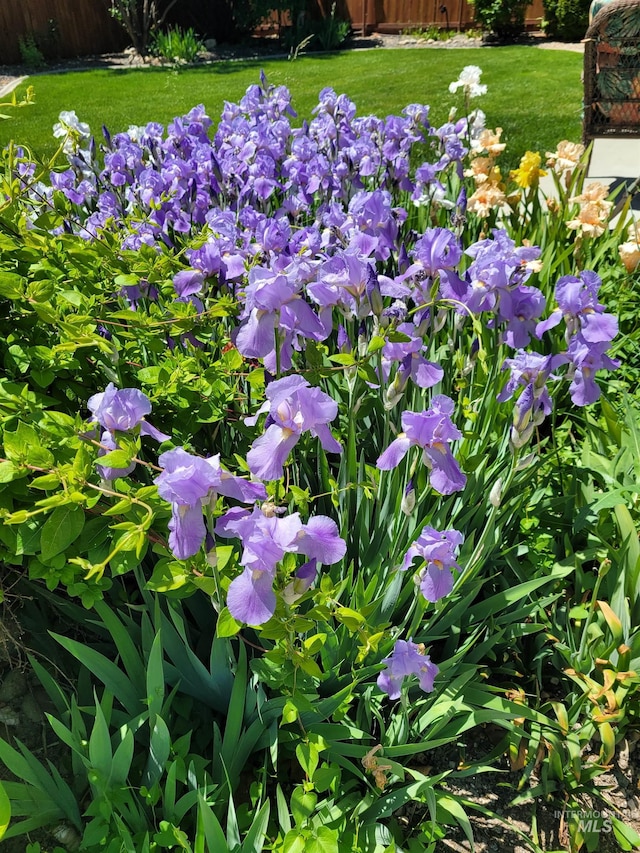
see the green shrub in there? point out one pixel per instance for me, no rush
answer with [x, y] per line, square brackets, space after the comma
[504, 18]
[327, 33]
[30, 53]
[176, 45]
[566, 19]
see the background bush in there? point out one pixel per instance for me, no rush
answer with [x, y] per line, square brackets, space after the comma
[566, 19]
[504, 18]
[175, 44]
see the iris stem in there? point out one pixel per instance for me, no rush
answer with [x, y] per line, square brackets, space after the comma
[592, 610]
[278, 354]
[475, 561]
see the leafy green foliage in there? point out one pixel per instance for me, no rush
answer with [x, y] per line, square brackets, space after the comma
[176, 45]
[14, 102]
[566, 19]
[504, 18]
[30, 53]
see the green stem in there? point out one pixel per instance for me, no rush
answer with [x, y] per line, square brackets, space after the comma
[475, 561]
[349, 532]
[592, 610]
[278, 353]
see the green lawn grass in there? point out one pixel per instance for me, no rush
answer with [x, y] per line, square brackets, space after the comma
[534, 95]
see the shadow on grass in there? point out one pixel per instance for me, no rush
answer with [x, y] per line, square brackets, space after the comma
[224, 66]
[220, 66]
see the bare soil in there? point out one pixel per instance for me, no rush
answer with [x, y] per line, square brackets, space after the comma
[546, 823]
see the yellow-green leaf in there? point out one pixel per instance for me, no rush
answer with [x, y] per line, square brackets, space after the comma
[60, 530]
[5, 811]
[227, 625]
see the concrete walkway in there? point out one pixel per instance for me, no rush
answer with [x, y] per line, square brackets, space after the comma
[615, 158]
[10, 84]
[615, 162]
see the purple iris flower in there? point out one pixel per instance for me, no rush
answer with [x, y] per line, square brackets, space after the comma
[206, 259]
[436, 253]
[521, 308]
[188, 282]
[431, 430]
[406, 659]
[529, 370]
[372, 216]
[453, 149]
[251, 598]
[498, 269]
[273, 302]
[577, 298]
[437, 249]
[438, 550]
[120, 411]
[294, 407]
[413, 365]
[265, 537]
[265, 540]
[66, 182]
[429, 189]
[589, 332]
[344, 280]
[189, 483]
[319, 540]
[585, 358]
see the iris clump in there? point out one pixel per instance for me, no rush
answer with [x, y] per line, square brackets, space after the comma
[374, 513]
[350, 272]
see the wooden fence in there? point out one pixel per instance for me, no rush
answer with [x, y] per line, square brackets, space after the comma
[394, 16]
[66, 28]
[59, 28]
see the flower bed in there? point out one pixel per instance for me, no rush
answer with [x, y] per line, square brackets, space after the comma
[280, 404]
